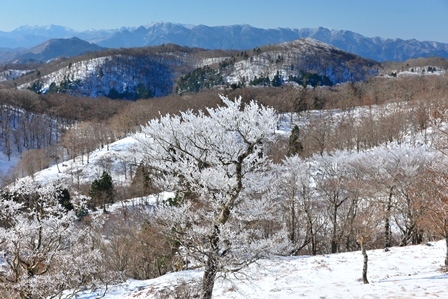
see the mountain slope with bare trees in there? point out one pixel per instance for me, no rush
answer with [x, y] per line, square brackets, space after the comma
[162, 70]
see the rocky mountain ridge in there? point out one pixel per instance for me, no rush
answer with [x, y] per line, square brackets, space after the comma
[237, 37]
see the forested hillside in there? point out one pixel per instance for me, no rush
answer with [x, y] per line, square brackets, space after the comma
[284, 170]
[158, 71]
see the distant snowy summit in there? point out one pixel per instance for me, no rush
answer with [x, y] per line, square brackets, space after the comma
[237, 37]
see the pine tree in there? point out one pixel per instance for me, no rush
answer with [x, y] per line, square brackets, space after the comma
[102, 191]
[64, 199]
[295, 146]
[277, 80]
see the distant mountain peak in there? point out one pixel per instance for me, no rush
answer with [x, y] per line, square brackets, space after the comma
[237, 37]
[43, 29]
[57, 47]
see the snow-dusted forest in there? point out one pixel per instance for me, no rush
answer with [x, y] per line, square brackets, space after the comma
[225, 188]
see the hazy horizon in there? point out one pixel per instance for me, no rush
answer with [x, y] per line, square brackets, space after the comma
[405, 19]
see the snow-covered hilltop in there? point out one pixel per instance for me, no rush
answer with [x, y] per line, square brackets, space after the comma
[308, 55]
[12, 74]
[159, 71]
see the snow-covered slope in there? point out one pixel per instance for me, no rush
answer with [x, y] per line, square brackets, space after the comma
[310, 55]
[86, 169]
[402, 272]
[116, 76]
[12, 74]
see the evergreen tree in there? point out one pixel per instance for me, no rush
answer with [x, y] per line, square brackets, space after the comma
[64, 199]
[36, 87]
[295, 146]
[102, 191]
[277, 80]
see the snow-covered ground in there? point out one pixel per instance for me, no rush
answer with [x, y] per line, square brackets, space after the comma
[12, 74]
[419, 71]
[112, 158]
[402, 272]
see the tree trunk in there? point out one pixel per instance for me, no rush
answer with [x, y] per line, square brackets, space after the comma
[310, 230]
[387, 238]
[387, 232]
[446, 256]
[57, 164]
[292, 235]
[312, 236]
[334, 241]
[445, 231]
[364, 265]
[208, 280]
[211, 267]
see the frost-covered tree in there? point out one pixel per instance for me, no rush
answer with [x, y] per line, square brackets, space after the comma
[300, 209]
[389, 175]
[334, 178]
[217, 160]
[44, 248]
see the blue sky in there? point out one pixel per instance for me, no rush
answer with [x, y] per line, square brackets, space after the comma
[419, 19]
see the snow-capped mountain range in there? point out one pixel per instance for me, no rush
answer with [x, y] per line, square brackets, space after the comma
[238, 37]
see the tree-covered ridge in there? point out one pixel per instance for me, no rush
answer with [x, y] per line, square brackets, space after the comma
[200, 78]
[116, 77]
[305, 62]
[207, 78]
[158, 71]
